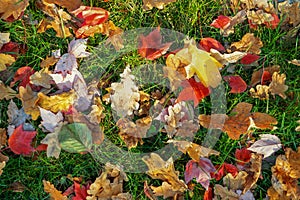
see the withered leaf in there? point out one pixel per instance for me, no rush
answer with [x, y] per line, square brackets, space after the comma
[16, 116]
[29, 101]
[226, 58]
[249, 43]
[2, 165]
[6, 60]
[237, 182]
[277, 85]
[70, 5]
[257, 76]
[166, 190]
[254, 172]
[41, 78]
[262, 92]
[49, 61]
[54, 193]
[149, 4]
[6, 92]
[224, 193]
[3, 138]
[12, 10]
[295, 62]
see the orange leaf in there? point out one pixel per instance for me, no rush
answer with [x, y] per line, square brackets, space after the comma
[210, 43]
[220, 22]
[237, 84]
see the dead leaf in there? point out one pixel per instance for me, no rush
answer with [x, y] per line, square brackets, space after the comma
[295, 62]
[5, 60]
[249, 43]
[132, 133]
[49, 61]
[12, 10]
[3, 138]
[277, 85]
[96, 114]
[70, 5]
[54, 193]
[6, 92]
[16, 116]
[257, 76]
[160, 4]
[291, 14]
[52, 142]
[41, 78]
[29, 101]
[262, 92]
[237, 182]
[226, 58]
[224, 193]
[259, 17]
[4, 38]
[266, 145]
[2, 165]
[173, 75]
[254, 172]
[166, 190]
[125, 95]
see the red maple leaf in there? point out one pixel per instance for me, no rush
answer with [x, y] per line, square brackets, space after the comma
[12, 48]
[224, 169]
[193, 90]
[210, 43]
[20, 141]
[249, 58]
[266, 78]
[151, 47]
[220, 22]
[80, 191]
[243, 156]
[237, 84]
[23, 74]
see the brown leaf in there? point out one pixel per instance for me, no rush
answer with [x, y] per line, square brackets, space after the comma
[70, 5]
[54, 193]
[290, 13]
[259, 17]
[96, 114]
[237, 182]
[174, 76]
[295, 62]
[237, 19]
[277, 85]
[29, 101]
[2, 165]
[17, 187]
[262, 92]
[194, 150]
[41, 78]
[224, 193]
[132, 133]
[254, 172]
[160, 4]
[144, 104]
[3, 138]
[6, 60]
[12, 10]
[249, 43]
[166, 190]
[49, 61]
[6, 92]
[257, 75]
[114, 35]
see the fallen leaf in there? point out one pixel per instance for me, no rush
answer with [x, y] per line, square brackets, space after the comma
[221, 22]
[49, 61]
[291, 14]
[277, 86]
[3, 139]
[200, 170]
[53, 145]
[208, 194]
[4, 38]
[6, 92]
[242, 156]
[225, 168]
[235, 182]
[41, 78]
[227, 58]
[266, 145]
[254, 172]
[166, 190]
[298, 127]
[80, 191]
[210, 43]
[29, 101]
[2, 165]
[12, 10]
[16, 116]
[151, 46]
[249, 43]
[55, 103]
[20, 141]
[262, 92]
[97, 112]
[295, 62]
[259, 17]
[70, 5]
[249, 59]
[54, 193]
[160, 4]
[50, 120]
[237, 84]
[5, 60]
[173, 75]
[260, 75]
[17, 187]
[224, 193]
[23, 75]
[125, 95]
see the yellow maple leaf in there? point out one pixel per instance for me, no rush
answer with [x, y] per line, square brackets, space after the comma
[57, 102]
[5, 59]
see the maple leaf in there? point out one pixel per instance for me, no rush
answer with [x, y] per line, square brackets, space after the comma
[29, 101]
[210, 43]
[6, 60]
[243, 156]
[267, 145]
[54, 193]
[125, 97]
[194, 150]
[239, 122]
[96, 113]
[12, 10]
[160, 4]
[237, 84]
[23, 74]
[80, 191]
[6, 92]
[193, 90]
[20, 141]
[249, 59]
[53, 145]
[220, 22]
[200, 170]
[249, 43]
[264, 75]
[277, 85]
[151, 47]
[16, 117]
[50, 120]
[225, 168]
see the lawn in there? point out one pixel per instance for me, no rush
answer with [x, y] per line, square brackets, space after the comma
[23, 174]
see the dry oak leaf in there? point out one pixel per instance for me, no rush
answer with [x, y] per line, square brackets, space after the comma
[55, 103]
[132, 133]
[277, 86]
[166, 190]
[249, 43]
[266, 145]
[295, 62]
[227, 58]
[240, 121]
[12, 10]
[6, 92]
[30, 101]
[5, 60]
[254, 172]
[125, 95]
[160, 4]
[109, 185]
[54, 193]
[194, 150]
[49, 61]
[262, 92]
[259, 17]
[164, 170]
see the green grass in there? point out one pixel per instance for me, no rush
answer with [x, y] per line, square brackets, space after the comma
[190, 17]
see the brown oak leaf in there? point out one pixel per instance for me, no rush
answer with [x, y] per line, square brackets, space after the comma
[262, 92]
[277, 85]
[249, 43]
[30, 101]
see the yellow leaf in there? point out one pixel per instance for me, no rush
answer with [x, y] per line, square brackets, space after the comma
[5, 60]
[54, 193]
[29, 101]
[57, 102]
[13, 8]
[6, 92]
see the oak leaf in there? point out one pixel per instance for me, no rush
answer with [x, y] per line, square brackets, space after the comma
[6, 92]
[266, 145]
[277, 86]
[160, 4]
[249, 43]
[235, 182]
[54, 193]
[20, 141]
[12, 10]
[6, 60]
[151, 46]
[30, 101]
[224, 193]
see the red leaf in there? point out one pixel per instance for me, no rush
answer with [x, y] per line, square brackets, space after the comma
[274, 23]
[41, 147]
[242, 155]
[80, 191]
[249, 58]
[210, 43]
[193, 90]
[200, 170]
[23, 74]
[224, 169]
[220, 22]
[254, 26]
[266, 77]
[236, 83]
[20, 141]
[151, 47]
[208, 194]
[12, 48]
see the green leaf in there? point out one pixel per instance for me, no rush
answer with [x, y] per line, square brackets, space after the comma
[75, 138]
